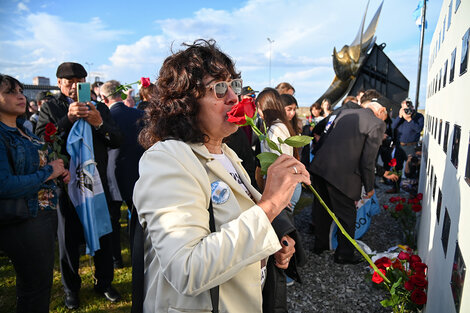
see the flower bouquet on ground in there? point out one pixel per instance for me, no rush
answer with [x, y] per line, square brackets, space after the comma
[404, 212]
[408, 284]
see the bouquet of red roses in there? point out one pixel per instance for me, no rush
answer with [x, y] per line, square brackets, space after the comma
[408, 284]
[405, 213]
[53, 143]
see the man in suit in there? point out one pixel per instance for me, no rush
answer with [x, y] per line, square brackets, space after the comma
[344, 163]
[128, 156]
[63, 111]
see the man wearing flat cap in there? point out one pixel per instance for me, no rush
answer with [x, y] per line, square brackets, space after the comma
[63, 110]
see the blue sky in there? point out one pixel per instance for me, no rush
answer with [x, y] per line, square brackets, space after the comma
[124, 41]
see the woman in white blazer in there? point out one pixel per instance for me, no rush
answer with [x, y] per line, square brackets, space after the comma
[186, 167]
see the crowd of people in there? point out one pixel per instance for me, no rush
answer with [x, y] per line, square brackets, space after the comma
[209, 231]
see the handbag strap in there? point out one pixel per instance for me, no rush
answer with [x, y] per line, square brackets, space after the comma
[214, 291]
[10, 157]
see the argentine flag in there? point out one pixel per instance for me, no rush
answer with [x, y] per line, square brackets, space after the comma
[417, 15]
[85, 188]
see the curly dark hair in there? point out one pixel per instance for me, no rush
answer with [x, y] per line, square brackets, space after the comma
[173, 112]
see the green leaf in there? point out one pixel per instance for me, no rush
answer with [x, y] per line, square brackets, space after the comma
[394, 286]
[386, 303]
[298, 141]
[279, 139]
[266, 159]
[273, 145]
[262, 137]
[123, 96]
[44, 147]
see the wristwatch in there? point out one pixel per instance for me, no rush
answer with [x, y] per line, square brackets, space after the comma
[99, 126]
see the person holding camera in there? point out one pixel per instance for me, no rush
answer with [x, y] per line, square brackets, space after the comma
[407, 127]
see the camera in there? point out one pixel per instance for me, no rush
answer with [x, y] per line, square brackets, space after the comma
[409, 110]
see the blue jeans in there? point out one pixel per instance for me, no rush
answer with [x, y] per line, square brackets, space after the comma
[30, 247]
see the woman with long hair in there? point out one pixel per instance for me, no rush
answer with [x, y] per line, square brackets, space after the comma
[27, 175]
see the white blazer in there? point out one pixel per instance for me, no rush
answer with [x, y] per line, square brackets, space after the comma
[183, 259]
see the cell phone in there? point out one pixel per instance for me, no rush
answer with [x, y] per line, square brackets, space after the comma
[84, 92]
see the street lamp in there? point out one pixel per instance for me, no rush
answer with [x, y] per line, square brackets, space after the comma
[270, 49]
[89, 70]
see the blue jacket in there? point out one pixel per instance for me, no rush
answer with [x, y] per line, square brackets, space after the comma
[408, 131]
[29, 178]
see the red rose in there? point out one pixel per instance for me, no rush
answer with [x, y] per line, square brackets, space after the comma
[403, 256]
[419, 196]
[393, 162]
[383, 262]
[416, 207]
[393, 200]
[403, 200]
[399, 207]
[397, 265]
[50, 129]
[419, 280]
[409, 285]
[237, 114]
[376, 278]
[47, 138]
[385, 207]
[419, 267]
[145, 82]
[418, 296]
[414, 258]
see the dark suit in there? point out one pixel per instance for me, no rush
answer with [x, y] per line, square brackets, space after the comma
[70, 230]
[127, 162]
[345, 162]
[127, 165]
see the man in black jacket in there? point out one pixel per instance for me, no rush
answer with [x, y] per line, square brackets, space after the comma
[63, 110]
[344, 163]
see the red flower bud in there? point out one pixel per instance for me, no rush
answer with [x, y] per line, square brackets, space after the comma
[393, 162]
[414, 258]
[416, 207]
[409, 285]
[50, 129]
[418, 296]
[145, 82]
[419, 196]
[376, 278]
[383, 262]
[419, 280]
[399, 207]
[237, 114]
[385, 207]
[403, 256]
[397, 265]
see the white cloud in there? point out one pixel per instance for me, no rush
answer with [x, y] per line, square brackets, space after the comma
[304, 34]
[21, 7]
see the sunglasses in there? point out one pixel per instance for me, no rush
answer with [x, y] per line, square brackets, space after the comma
[221, 88]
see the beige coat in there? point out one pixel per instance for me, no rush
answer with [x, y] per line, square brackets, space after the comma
[183, 259]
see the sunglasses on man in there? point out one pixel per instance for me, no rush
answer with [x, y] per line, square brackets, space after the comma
[221, 88]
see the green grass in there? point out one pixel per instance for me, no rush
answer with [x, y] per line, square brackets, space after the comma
[89, 300]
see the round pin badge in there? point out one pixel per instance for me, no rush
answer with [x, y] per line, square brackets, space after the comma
[220, 192]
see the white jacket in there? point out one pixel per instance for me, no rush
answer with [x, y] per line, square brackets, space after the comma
[183, 259]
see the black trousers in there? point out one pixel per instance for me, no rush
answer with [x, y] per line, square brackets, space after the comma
[70, 237]
[30, 247]
[115, 214]
[345, 210]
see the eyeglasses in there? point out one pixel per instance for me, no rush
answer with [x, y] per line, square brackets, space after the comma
[221, 88]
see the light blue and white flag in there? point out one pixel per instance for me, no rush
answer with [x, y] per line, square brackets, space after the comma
[417, 14]
[85, 188]
[366, 208]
